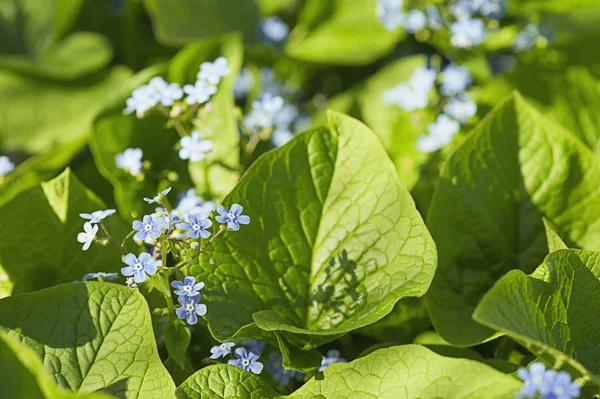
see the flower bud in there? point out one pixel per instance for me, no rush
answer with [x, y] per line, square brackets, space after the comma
[134, 214]
[195, 245]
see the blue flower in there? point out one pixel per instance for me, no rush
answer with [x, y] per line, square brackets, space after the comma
[189, 287]
[199, 92]
[170, 93]
[254, 345]
[232, 217]
[150, 228]
[243, 83]
[281, 136]
[145, 97]
[455, 80]
[333, 356]
[221, 350]
[190, 204]
[460, 108]
[467, 32]
[441, 133]
[280, 373]
[390, 13]
[415, 21]
[562, 387]
[130, 160]
[548, 383]
[6, 166]
[434, 19]
[212, 72]
[414, 94]
[197, 227]
[246, 361]
[139, 267]
[97, 216]
[157, 197]
[274, 30]
[194, 148]
[190, 309]
[264, 112]
[99, 276]
[88, 235]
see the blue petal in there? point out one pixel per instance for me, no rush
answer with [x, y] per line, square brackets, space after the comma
[177, 284]
[192, 319]
[236, 209]
[256, 367]
[222, 210]
[139, 276]
[233, 225]
[243, 219]
[127, 271]
[180, 312]
[204, 234]
[189, 280]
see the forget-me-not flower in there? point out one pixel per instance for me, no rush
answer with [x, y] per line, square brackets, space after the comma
[189, 286]
[333, 356]
[281, 136]
[156, 198]
[146, 96]
[196, 227]
[190, 204]
[460, 108]
[274, 30]
[415, 21]
[213, 72]
[99, 276]
[233, 217]
[246, 361]
[97, 216]
[151, 227]
[221, 350]
[467, 32]
[423, 79]
[279, 373]
[6, 166]
[130, 160]
[444, 127]
[455, 80]
[390, 13]
[89, 234]
[170, 93]
[193, 147]
[200, 92]
[434, 19]
[190, 309]
[414, 94]
[549, 384]
[264, 111]
[139, 267]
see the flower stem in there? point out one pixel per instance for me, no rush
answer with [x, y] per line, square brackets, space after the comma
[197, 253]
[111, 239]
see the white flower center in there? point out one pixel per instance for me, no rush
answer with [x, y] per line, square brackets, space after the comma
[138, 266]
[189, 307]
[558, 391]
[187, 288]
[245, 362]
[231, 216]
[147, 227]
[223, 346]
[537, 379]
[195, 227]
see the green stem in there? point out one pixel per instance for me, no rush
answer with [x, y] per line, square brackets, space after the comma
[111, 239]
[197, 253]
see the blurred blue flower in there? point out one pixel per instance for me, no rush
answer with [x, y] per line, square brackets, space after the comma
[333, 356]
[243, 83]
[139, 267]
[434, 20]
[156, 198]
[549, 384]
[190, 204]
[232, 217]
[441, 133]
[274, 30]
[414, 94]
[188, 287]
[280, 374]
[264, 111]
[200, 92]
[246, 361]
[460, 108]
[89, 234]
[99, 276]
[170, 93]
[6, 166]
[193, 147]
[212, 72]
[390, 13]
[97, 216]
[455, 80]
[281, 136]
[467, 32]
[130, 160]
[196, 227]
[221, 350]
[415, 21]
[190, 309]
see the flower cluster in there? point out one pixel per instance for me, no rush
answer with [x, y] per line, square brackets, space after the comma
[150, 95]
[530, 36]
[6, 166]
[273, 30]
[243, 359]
[189, 298]
[333, 356]
[194, 148]
[279, 373]
[90, 228]
[548, 384]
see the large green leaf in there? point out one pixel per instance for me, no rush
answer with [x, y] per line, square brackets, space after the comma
[38, 235]
[45, 112]
[77, 55]
[517, 7]
[410, 371]
[91, 336]
[23, 375]
[486, 213]
[334, 242]
[183, 21]
[553, 312]
[345, 32]
[218, 175]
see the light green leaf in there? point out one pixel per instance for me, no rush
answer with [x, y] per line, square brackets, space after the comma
[519, 7]
[345, 32]
[77, 55]
[400, 372]
[23, 375]
[298, 359]
[91, 337]
[177, 341]
[486, 213]
[44, 113]
[334, 241]
[38, 238]
[552, 312]
[554, 241]
[270, 7]
[184, 21]
[217, 175]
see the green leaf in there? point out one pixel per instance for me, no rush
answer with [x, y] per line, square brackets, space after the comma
[344, 32]
[91, 336]
[554, 241]
[270, 7]
[334, 241]
[551, 6]
[410, 371]
[486, 213]
[187, 20]
[219, 174]
[177, 341]
[38, 241]
[552, 312]
[23, 375]
[26, 28]
[44, 113]
[298, 359]
[78, 55]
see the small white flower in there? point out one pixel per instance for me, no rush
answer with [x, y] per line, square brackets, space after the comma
[274, 29]
[130, 160]
[6, 166]
[88, 235]
[96, 217]
[194, 148]
[460, 109]
[467, 32]
[212, 72]
[170, 93]
[200, 92]
[263, 112]
[390, 13]
[281, 136]
[455, 80]
[441, 133]
[415, 21]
